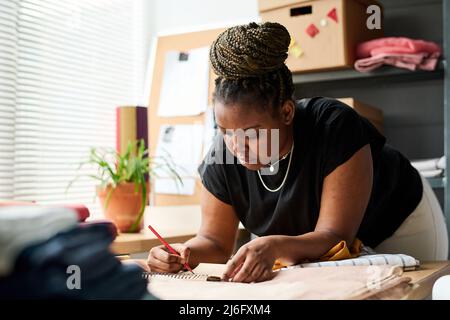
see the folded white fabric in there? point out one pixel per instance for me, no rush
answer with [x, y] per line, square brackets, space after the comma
[429, 164]
[23, 226]
[432, 173]
[441, 163]
[368, 257]
[403, 260]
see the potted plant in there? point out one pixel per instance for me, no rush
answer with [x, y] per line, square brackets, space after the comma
[124, 182]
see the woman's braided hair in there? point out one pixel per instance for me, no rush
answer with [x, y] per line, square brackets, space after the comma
[249, 61]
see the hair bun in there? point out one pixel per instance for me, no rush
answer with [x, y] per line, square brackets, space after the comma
[250, 50]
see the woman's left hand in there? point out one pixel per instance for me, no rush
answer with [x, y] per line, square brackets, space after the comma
[253, 262]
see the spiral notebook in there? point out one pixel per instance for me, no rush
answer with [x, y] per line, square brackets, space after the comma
[203, 272]
[182, 276]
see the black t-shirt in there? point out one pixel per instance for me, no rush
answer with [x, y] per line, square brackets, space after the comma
[326, 134]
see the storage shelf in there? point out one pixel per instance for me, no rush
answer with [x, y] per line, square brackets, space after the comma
[437, 182]
[385, 71]
[384, 77]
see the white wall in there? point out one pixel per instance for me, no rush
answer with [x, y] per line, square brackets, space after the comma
[177, 16]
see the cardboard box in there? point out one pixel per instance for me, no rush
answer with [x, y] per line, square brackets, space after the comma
[324, 32]
[374, 115]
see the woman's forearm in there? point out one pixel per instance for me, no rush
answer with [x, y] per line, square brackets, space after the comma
[309, 246]
[289, 249]
[204, 250]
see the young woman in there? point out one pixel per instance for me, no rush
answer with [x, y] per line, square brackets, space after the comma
[336, 178]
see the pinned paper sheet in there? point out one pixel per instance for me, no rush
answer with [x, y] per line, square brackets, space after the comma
[183, 143]
[209, 130]
[169, 186]
[185, 83]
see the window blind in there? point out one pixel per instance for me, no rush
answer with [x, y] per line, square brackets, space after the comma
[67, 65]
[8, 59]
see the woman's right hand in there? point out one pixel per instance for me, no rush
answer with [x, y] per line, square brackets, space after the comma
[161, 260]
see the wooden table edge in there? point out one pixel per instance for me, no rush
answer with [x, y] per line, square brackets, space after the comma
[148, 241]
[422, 287]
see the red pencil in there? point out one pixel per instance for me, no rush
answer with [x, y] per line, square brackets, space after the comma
[172, 250]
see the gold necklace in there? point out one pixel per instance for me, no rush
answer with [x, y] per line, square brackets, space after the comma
[271, 169]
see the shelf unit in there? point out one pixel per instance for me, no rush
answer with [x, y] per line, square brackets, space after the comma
[446, 45]
[385, 72]
[350, 74]
[390, 74]
[437, 182]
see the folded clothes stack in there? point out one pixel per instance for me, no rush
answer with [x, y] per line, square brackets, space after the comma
[430, 168]
[45, 254]
[399, 52]
[81, 210]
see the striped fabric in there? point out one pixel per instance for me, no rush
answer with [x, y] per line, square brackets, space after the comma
[405, 261]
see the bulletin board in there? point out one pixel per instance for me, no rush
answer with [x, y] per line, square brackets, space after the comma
[178, 42]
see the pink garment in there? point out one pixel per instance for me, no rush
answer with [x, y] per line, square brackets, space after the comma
[399, 52]
[395, 45]
[421, 61]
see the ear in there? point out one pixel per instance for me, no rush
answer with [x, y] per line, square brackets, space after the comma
[287, 112]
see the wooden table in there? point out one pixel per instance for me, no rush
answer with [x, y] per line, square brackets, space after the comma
[420, 287]
[422, 280]
[181, 223]
[173, 223]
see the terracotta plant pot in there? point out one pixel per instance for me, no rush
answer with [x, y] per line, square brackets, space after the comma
[124, 205]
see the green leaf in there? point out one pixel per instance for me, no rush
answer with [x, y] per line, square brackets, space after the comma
[131, 166]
